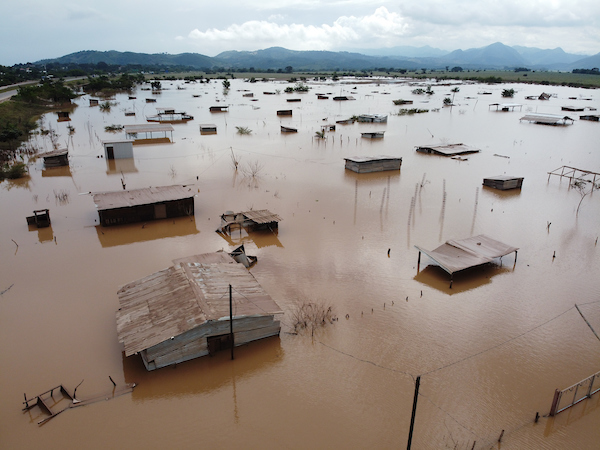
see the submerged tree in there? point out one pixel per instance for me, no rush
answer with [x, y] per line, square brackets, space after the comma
[583, 187]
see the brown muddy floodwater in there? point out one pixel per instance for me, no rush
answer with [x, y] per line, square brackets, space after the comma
[490, 351]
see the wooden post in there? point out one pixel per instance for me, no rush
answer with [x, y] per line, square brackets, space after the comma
[554, 403]
[414, 410]
[231, 321]
[419, 261]
[501, 434]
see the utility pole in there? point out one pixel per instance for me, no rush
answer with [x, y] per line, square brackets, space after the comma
[414, 410]
[231, 322]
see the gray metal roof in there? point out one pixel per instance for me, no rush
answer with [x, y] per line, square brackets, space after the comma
[145, 196]
[457, 255]
[188, 294]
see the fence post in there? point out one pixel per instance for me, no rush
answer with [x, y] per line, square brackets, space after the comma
[554, 403]
[589, 392]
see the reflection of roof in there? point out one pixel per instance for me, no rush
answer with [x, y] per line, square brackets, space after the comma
[145, 196]
[454, 256]
[190, 293]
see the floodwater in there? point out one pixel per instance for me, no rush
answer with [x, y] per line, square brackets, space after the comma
[490, 351]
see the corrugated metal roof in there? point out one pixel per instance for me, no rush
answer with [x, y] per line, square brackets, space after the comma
[180, 298]
[551, 119]
[145, 196]
[457, 255]
[59, 152]
[148, 128]
[262, 216]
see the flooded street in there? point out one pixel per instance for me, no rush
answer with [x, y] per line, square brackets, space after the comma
[490, 351]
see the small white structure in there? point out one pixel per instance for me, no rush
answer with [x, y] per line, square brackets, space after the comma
[118, 149]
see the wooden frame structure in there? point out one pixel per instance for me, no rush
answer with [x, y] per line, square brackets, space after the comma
[573, 173]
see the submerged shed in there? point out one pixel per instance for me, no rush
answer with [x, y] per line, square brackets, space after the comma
[208, 128]
[261, 219]
[140, 205]
[503, 182]
[448, 150]
[183, 312]
[458, 255]
[366, 164]
[56, 158]
[118, 149]
[218, 108]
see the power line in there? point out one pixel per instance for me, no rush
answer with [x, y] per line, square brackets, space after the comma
[500, 344]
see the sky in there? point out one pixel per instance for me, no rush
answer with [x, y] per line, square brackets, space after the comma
[35, 29]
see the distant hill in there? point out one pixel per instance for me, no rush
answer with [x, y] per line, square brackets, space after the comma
[494, 56]
[590, 62]
[401, 51]
[124, 58]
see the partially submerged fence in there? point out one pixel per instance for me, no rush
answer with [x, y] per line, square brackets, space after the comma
[585, 388]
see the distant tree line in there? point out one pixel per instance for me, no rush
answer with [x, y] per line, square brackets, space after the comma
[594, 71]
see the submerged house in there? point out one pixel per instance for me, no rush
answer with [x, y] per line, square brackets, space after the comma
[503, 182]
[56, 158]
[218, 108]
[208, 128]
[141, 205]
[366, 164]
[284, 112]
[373, 118]
[458, 255]
[118, 149]
[198, 306]
[63, 116]
[373, 134]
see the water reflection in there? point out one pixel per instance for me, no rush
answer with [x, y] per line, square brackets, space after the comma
[44, 234]
[62, 171]
[202, 375]
[437, 278]
[119, 166]
[138, 232]
[261, 238]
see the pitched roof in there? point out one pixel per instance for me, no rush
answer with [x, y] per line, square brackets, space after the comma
[188, 294]
[145, 196]
[457, 255]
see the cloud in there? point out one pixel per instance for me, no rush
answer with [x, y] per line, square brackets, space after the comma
[378, 28]
[543, 13]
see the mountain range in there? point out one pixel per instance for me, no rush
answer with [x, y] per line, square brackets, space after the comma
[495, 56]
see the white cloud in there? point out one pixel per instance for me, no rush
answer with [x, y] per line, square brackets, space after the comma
[379, 28]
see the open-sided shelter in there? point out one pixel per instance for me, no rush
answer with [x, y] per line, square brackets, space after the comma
[183, 312]
[457, 255]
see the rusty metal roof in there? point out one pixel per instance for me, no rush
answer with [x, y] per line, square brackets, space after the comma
[262, 216]
[145, 196]
[188, 294]
[147, 128]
